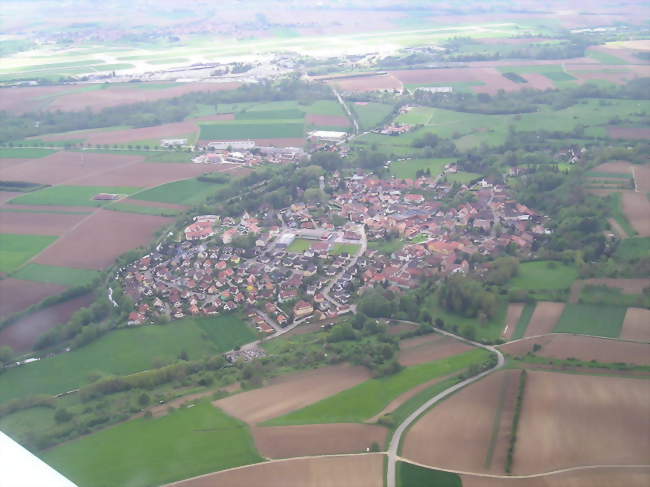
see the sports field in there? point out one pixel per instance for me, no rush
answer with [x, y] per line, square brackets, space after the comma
[299, 245]
[344, 248]
[66, 276]
[16, 249]
[145, 452]
[71, 195]
[123, 352]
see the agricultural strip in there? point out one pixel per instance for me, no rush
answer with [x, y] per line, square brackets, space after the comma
[18, 152]
[367, 399]
[636, 325]
[544, 318]
[567, 418]
[38, 223]
[356, 470]
[523, 321]
[321, 439]
[591, 319]
[16, 249]
[513, 316]
[291, 392]
[186, 192]
[144, 452]
[419, 350]
[476, 420]
[123, 352]
[409, 475]
[71, 195]
[18, 295]
[252, 129]
[66, 276]
[598, 477]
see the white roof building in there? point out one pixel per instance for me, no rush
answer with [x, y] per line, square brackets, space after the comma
[328, 135]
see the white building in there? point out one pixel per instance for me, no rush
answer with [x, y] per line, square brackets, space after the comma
[232, 145]
[328, 136]
[173, 142]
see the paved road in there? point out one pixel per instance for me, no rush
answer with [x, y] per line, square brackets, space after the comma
[397, 436]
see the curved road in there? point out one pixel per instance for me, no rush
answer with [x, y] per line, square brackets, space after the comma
[397, 436]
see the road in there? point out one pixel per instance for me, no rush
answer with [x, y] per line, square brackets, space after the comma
[397, 436]
[347, 110]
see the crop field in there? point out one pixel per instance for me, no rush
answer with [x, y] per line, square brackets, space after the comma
[583, 348]
[362, 84]
[370, 114]
[66, 276]
[477, 79]
[513, 317]
[591, 319]
[544, 318]
[407, 169]
[291, 392]
[544, 274]
[636, 325]
[144, 452]
[476, 421]
[523, 321]
[409, 475]
[317, 439]
[636, 208]
[329, 471]
[567, 418]
[121, 352]
[19, 153]
[186, 192]
[601, 477]
[253, 129]
[38, 223]
[23, 334]
[18, 295]
[71, 195]
[16, 249]
[427, 348]
[367, 399]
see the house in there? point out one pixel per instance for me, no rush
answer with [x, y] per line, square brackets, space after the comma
[302, 309]
[199, 230]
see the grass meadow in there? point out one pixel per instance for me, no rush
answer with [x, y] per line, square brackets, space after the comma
[18, 153]
[186, 192]
[543, 274]
[126, 351]
[591, 319]
[16, 249]
[71, 195]
[407, 169]
[66, 276]
[409, 475]
[370, 114]
[144, 452]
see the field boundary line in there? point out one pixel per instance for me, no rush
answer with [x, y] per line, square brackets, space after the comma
[276, 460]
[529, 476]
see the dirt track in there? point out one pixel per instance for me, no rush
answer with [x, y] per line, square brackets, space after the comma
[570, 420]
[291, 392]
[544, 318]
[317, 439]
[349, 471]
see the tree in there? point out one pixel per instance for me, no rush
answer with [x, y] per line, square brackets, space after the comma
[144, 400]
[330, 161]
[62, 415]
[6, 354]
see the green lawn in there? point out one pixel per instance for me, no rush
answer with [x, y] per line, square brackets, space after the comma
[18, 153]
[462, 177]
[370, 114]
[544, 274]
[126, 351]
[70, 195]
[386, 246]
[300, 245]
[186, 192]
[146, 452]
[633, 248]
[344, 248]
[369, 398]
[15, 249]
[407, 169]
[409, 475]
[252, 129]
[591, 319]
[523, 321]
[324, 107]
[66, 276]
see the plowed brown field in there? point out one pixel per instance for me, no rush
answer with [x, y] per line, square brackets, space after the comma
[598, 477]
[636, 325]
[367, 83]
[16, 294]
[37, 223]
[637, 208]
[316, 439]
[291, 392]
[544, 318]
[350, 471]
[512, 317]
[584, 348]
[428, 348]
[570, 420]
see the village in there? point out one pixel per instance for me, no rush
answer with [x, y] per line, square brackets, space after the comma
[307, 262]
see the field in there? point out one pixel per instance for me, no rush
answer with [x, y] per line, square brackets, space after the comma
[566, 420]
[476, 421]
[66, 276]
[186, 192]
[591, 319]
[320, 439]
[299, 245]
[291, 392]
[637, 208]
[22, 335]
[121, 352]
[370, 114]
[356, 470]
[18, 295]
[38, 223]
[523, 321]
[513, 318]
[543, 275]
[600, 477]
[544, 318]
[25, 153]
[143, 452]
[252, 129]
[583, 348]
[344, 248]
[71, 195]
[363, 84]
[409, 475]
[367, 399]
[80, 248]
[633, 248]
[636, 325]
[462, 177]
[427, 348]
[16, 249]
[407, 169]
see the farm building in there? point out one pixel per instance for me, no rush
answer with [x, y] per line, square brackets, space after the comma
[106, 197]
[328, 136]
[173, 142]
[436, 89]
[222, 145]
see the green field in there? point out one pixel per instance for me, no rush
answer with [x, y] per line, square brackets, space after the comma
[615, 203]
[409, 475]
[170, 156]
[66, 276]
[18, 153]
[613, 296]
[608, 175]
[633, 248]
[146, 452]
[369, 398]
[386, 246]
[70, 195]
[524, 319]
[252, 129]
[25, 420]
[186, 192]
[15, 249]
[287, 114]
[462, 177]
[605, 58]
[344, 248]
[544, 274]
[143, 210]
[591, 319]
[299, 245]
[126, 351]
[407, 169]
[370, 114]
